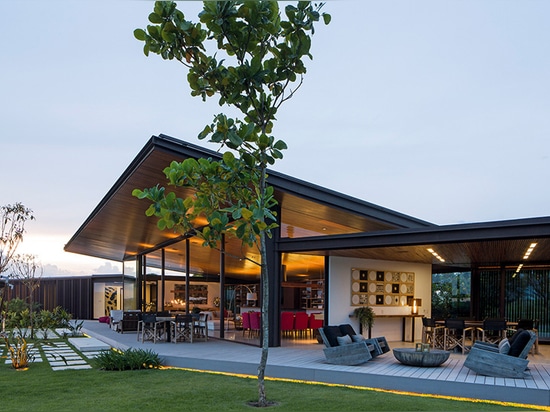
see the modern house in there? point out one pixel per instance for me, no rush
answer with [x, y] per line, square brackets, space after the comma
[331, 254]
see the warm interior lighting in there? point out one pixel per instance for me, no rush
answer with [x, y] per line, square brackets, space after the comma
[415, 303]
[529, 251]
[436, 255]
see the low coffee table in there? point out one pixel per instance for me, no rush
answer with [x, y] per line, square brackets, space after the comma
[410, 356]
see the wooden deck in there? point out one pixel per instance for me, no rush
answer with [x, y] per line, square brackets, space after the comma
[306, 362]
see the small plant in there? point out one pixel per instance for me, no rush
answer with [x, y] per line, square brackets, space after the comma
[19, 352]
[61, 318]
[130, 359]
[45, 321]
[76, 327]
[365, 316]
[18, 321]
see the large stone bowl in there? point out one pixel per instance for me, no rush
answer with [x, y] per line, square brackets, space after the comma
[410, 356]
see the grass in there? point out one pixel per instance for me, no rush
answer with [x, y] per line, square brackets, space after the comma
[41, 389]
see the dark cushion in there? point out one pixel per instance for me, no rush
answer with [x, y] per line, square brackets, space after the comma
[519, 343]
[512, 338]
[347, 329]
[332, 332]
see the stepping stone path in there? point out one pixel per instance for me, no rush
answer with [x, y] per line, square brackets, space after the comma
[62, 355]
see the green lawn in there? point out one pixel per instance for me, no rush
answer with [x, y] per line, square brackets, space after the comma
[41, 389]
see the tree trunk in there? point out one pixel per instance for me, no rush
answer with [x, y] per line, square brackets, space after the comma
[262, 399]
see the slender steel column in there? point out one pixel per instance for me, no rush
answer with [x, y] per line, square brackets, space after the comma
[144, 289]
[187, 267]
[274, 269]
[162, 273]
[222, 287]
[139, 277]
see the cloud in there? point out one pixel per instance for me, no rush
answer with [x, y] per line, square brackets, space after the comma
[54, 270]
[107, 268]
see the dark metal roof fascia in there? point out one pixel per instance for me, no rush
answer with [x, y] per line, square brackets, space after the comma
[471, 232]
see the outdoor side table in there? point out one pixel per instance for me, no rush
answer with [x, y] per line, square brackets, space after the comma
[412, 357]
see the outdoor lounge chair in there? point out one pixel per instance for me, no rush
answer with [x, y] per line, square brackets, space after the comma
[506, 360]
[344, 347]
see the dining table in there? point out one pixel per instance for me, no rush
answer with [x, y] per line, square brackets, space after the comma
[472, 323]
[476, 324]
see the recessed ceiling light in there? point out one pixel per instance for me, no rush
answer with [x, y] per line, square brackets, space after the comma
[436, 255]
[529, 250]
[517, 270]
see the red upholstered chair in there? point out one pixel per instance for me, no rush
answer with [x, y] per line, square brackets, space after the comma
[287, 323]
[246, 322]
[315, 322]
[301, 324]
[255, 323]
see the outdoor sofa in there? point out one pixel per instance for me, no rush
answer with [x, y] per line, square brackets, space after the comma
[508, 359]
[343, 346]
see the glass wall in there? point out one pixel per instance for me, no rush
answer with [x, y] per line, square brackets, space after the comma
[526, 295]
[107, 296]
[489, 293]
[529, 292]
[451, 295]
[130, 299]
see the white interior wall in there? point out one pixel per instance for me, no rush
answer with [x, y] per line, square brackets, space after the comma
[339, 299]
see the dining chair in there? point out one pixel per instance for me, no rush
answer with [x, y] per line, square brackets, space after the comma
[255, 323]
[493, 330]
[151, 329]
[182, 329]
[245, 316]
[432, 333]
[300, 324]
[200, 327]
[455, 335]
[287, 323]
[315, 322]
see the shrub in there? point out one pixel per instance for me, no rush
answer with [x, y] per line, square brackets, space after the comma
[61, 317]
[19, 352]
[19, 321]
[117, 360]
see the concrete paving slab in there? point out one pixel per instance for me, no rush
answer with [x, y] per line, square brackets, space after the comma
[61, 368]
[88, 344]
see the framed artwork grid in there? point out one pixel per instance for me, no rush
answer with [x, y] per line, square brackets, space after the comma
[381, 287]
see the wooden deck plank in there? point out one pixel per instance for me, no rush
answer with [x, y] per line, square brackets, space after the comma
[541, 376]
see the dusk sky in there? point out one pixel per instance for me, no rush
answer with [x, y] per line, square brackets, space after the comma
[437, 109]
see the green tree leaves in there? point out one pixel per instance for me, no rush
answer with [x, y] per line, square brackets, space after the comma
[262, 67]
